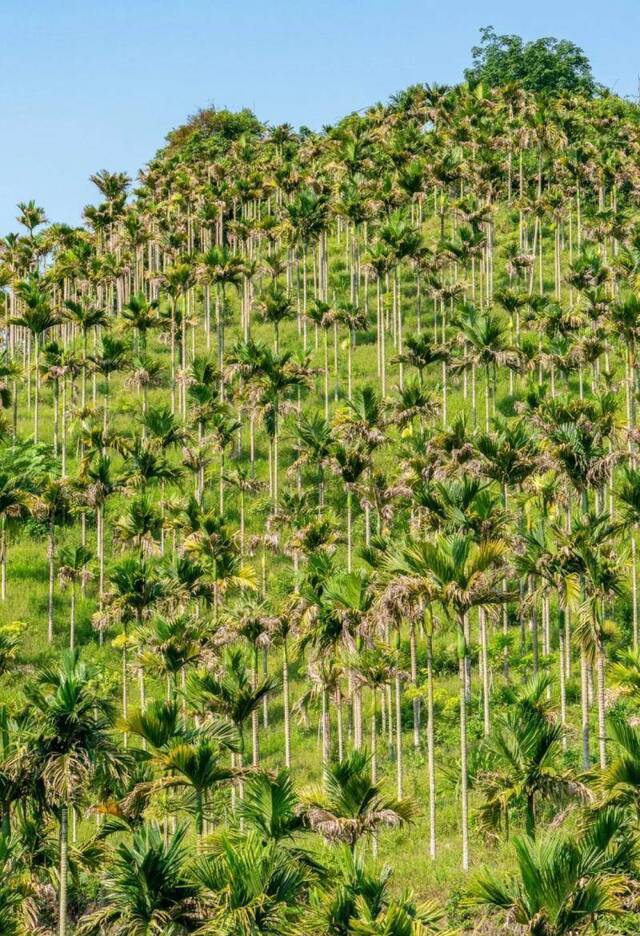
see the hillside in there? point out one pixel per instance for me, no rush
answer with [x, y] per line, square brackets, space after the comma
[319, 495]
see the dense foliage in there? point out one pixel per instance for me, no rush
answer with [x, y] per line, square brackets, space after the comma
[319, 496]
[546, 66]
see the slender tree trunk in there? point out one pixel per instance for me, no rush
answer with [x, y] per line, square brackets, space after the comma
[602, 733]
[413, 650]
[62, 886]
[431, 772]
[464, 792]
[486, 715]
[255, 749]
[399, 762]
[72, 624]
[584, 693]
[286, 705]
[326, 733]
[52, 554]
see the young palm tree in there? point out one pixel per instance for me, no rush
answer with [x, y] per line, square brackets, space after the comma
[565, 885]
[231, 695]
[146, 888]
[525, 761]
[67, 743]
[349, 805]
[250, 886]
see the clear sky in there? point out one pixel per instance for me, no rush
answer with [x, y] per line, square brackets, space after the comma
[92, 84]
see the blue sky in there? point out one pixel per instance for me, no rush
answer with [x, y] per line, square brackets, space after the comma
[90, 85]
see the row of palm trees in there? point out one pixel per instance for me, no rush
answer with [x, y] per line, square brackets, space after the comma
[309, 424]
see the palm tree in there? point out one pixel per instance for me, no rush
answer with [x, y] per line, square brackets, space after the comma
[68, 742]
[37, 318]
[486, 340]
[619, 784]
[597, 562]
[349, 462]
[193, 765]
[84, 317]
[136, 588]
[232, 694]
[13, 503]
[139, 526]
[349, 805]
[565, 885]
[375, 667]
[275, 306]
[458, 574]
[629, 499]
[220, 268]
[146, 888]
[314, 439]
[170, 644]
[98, 484]
[142, 316]
[110, 358]
[52, 505]
[250, 886]
[176, 282]
[73, 569]
[271, 807]
[524, 753]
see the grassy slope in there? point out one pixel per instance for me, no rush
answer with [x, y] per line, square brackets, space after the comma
[406, 850]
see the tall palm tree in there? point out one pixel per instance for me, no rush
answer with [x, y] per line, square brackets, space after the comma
[84, 317]
[73, 570]
[458, 574]
[37, 317]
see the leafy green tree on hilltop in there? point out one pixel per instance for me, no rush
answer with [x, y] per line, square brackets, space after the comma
[545, 65]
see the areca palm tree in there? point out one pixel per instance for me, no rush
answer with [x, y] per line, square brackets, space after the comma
[525, 761]
[170, 644]
[458, 574]
[69, 741]
[232, 694]
[84, 317]
[13, 503]
[275, 306]
[349, 805]
[136, 588]
[110, 358]
[597, 562]
[193, 765]
[146, 888]
[564, 885]
[221, 268]
[73, 569]
[141, 315]
[486, 339]
[37, 317]
[53, 506]
[250, 886]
